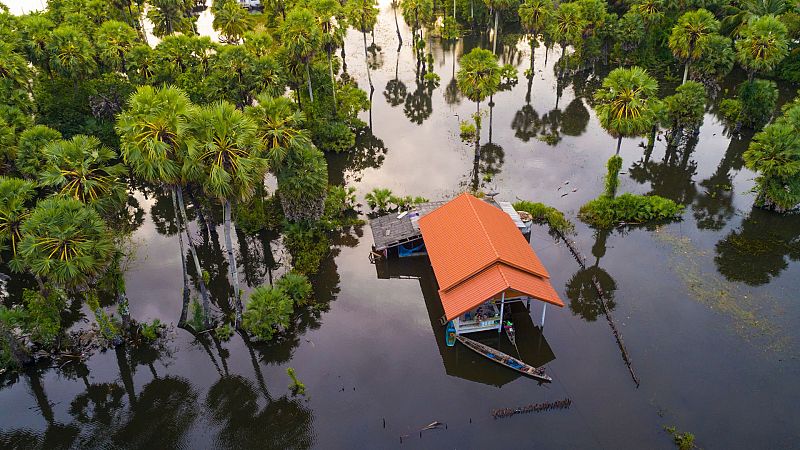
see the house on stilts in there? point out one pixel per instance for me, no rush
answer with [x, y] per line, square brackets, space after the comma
[481, 259]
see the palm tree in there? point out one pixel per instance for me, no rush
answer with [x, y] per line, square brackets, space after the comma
[63, 242]
[739, 14]
[363, 15]
[333, 33]
[16, 198]
[36, 30]
[71, 54]
[169, 16]
[231, 20]
[226, 148]
[83, 169]
[567, 26]
[302, 37]
[496, 6]
[478, 77]
[303, 183]
[114, 41]
[762, 46]
[281, 128]
[534, 16]
[775, 154]
[14, 72]
[153, 133]
[688, 38]
[625, 103]
[30, 145]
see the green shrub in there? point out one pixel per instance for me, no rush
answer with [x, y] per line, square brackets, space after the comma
[151, 331]
[606, 212]
[508, 75]
[340, 209]
[432, 79]
[730, 109]
[196, 315]
[613, 166]
[224, 332]
[42, 317]
[333, 136]
[544, 214]
[467, 131]
[758, 102]
[109, 329]
[685, 108]
[296, 286]
[308, 247]
[297, 387]
[268, 310]
[379, 200]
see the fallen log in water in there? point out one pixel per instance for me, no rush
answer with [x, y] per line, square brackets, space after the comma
[533, 407]
[602, 296]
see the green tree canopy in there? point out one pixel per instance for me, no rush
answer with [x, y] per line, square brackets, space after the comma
[762, 46]
[625, 102]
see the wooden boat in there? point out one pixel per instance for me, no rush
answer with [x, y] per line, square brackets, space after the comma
[450, 334]
[508, 327]
[505, 360]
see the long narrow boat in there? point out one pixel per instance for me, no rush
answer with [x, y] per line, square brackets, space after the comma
[503, 359]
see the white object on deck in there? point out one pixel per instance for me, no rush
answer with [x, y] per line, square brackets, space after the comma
[402, 214]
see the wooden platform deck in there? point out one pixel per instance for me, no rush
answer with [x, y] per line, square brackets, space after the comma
[391, 230]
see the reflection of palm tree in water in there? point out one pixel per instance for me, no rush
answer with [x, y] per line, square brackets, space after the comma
[672, 177]
[395, 91]
[758, 249]
[713, 207]
[419, 104]
[584, 299]
[526, 123]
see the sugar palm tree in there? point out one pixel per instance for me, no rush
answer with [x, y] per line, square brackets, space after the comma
[363, 15]
[14, 72]
[64, 242]
[36, 30]
[739, 14]
[169, 16]
[775, 154]
[84, 169]
[302, 38]
[114, 41]
[534, 16]
[71, 53]
[762, 46]
[303, 183]
[153, 133]
[496, 6]
[567, 25]
[30, 145]
[689, 35]
[281, 128]
[478, 76]
[225, 147]
[625, 103]
[16, 199]
[231, 20]
[332, 33]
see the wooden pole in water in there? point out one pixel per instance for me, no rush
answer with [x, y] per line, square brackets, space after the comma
[544, 311]
[502, 303]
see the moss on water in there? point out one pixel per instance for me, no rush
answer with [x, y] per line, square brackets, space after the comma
[751, 313]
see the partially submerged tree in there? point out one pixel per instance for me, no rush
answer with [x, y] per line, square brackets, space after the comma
[688, 40]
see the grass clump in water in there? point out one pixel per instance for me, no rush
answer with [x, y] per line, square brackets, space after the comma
[683, 440]
[544, 214]
[297, 387]
[606, 212]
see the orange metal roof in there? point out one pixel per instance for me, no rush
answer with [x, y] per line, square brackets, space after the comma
[477, 252]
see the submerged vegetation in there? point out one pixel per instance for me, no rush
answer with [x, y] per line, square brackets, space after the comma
[544, 214]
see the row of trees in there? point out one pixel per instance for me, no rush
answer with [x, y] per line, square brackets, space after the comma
[89, 107]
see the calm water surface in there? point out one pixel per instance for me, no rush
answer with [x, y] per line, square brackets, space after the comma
[707, 306]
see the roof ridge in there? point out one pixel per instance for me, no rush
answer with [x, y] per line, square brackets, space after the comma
[483, 227]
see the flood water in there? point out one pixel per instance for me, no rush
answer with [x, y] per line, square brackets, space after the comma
[707, 306]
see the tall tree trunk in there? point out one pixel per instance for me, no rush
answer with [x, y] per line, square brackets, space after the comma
[496, 24]
[308, 81]
[530, 78]
[685, 72]
[491, 113]
[397, 25]
[619, 144]
[366, 61]
[333, 80]
[344, 61]
[186, 295]
[232, 269]
[35, 384]
[125, 374]
[193, 251]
